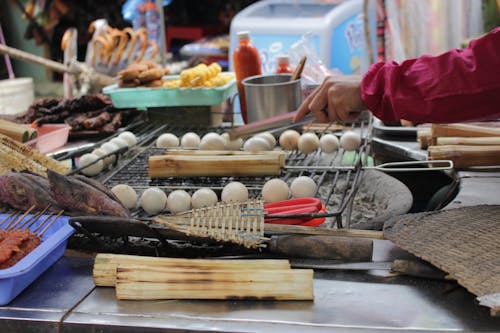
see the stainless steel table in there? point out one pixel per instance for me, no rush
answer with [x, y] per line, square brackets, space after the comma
[64, 298]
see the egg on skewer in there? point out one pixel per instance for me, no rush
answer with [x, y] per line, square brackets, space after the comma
[288, 139]
[129, 137]
[179, 201]
[153, 200]
[269, 138]
[204, 197]
[121, 143]
[308, 143]
[93, 167]
[234, 192]
[303, 187]
[256, 144]
[232, 144]
[329, 143]
[212, 141]
[275, 190]
[99, 152]
[126, 194]
[190, 140]
[350, 140]
[110, 147]
[167, 140]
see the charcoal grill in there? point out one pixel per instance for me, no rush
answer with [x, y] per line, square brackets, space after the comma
[338, 175]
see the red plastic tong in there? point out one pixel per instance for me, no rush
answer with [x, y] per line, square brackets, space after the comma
[292, 207]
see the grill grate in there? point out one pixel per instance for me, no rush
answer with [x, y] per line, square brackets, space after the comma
[336, 188]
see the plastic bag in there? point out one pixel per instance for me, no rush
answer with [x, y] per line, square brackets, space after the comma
[314, 71]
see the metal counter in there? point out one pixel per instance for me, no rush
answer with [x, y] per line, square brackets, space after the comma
[64, 298]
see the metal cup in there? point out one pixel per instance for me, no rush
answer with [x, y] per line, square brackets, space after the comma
[271, 95]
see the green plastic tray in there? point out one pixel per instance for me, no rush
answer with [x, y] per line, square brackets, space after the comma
[143, 98]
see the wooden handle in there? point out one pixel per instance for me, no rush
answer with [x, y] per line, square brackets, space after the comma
[298, 71]
[193, 166]
[466, 156]
[322, 247]
[463, 130]
[301, 230]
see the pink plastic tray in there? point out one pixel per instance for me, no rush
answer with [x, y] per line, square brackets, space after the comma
[50, 137]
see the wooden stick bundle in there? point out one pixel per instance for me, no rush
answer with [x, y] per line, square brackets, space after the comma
[233, 165]
[140, 278]
[21, 133]
[105, 265]
[466, 156]
[463, 130]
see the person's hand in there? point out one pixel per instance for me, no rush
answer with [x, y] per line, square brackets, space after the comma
[338, 98]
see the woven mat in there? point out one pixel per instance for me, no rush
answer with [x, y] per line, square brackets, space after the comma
[465, 242]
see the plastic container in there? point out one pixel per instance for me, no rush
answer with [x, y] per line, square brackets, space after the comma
[143, 98]
[275, 25]
[16, 95]
[50, 137]
[283, 65]
[246, 62]
[152, 21]
[15, 279]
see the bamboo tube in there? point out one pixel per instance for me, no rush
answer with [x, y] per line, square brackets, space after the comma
[466, 156]
[21, 133]
[479, 141]
[279, 153]
[193, 166]
[150, 283]
[105, 265]
[424, 138]
[463, 130]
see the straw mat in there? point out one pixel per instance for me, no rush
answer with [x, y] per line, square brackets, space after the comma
[465, 242]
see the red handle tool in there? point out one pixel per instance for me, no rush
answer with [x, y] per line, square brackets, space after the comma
[294, 206]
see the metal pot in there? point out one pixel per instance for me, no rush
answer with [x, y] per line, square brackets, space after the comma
[271, 95]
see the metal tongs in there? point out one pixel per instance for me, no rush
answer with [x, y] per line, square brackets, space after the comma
[407, 166]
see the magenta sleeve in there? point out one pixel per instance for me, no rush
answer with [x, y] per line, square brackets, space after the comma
[458, 85]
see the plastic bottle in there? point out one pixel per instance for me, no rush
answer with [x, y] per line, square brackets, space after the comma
[152, 18]
[246, 62]
[139, 18]
[283, 65]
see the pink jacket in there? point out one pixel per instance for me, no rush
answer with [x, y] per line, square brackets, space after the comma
[456, 86]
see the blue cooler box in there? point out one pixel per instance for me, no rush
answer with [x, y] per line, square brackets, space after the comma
[275, 25]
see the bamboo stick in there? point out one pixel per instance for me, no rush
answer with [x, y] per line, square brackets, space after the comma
[279, 153]
[149, 283]
[105, 265]
[424, 138]
[297, 229]
[466, 156]
[32, 156]
[463, 130]
[21, 133]
[193, 166]
[477, 141]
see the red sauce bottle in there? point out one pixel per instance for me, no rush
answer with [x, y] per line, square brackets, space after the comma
[283, 65]
[246, 62]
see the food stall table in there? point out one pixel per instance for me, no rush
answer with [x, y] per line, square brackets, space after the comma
[64, 298]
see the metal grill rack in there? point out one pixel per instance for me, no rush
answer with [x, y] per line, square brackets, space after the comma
[337, 178]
